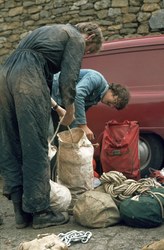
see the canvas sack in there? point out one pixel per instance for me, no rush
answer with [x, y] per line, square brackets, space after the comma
[60, 197]
[96, 209]
[157, 245]
[74, 162]
[43, 242]
[144, 210]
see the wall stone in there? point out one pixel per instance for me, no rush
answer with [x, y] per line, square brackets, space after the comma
[117, 18]
[156, 21]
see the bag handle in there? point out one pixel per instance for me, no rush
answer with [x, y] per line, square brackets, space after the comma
[57, 129]
[70, 133]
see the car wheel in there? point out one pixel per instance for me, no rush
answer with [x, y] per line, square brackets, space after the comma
[151, 151]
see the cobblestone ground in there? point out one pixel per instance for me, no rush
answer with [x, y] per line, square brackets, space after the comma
[118, 237]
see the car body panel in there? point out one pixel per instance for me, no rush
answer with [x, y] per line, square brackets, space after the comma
[137, 63]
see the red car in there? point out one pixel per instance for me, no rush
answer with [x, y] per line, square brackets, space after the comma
[137, 63]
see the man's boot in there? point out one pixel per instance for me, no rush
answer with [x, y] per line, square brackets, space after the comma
[22, 218]
[48, 218]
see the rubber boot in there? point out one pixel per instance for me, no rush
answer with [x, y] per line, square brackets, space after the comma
[48, 218]
[22, 218]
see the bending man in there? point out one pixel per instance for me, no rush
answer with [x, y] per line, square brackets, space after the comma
[25, 88]
[92, 88]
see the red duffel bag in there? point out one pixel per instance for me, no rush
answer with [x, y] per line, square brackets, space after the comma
[119, 148]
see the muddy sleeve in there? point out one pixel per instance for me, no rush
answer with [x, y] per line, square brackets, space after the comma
[70, 68]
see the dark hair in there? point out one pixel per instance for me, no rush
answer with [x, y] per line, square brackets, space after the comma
[90, 28]
[122, 93]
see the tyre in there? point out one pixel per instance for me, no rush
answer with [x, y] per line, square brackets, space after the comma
[151, 150]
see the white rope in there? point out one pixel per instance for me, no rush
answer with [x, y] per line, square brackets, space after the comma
[120, 188]
[70, 133]
[56, 131]
[155, 195]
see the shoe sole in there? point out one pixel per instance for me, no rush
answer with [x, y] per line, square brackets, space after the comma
[48, 225]
[51, 224]
[20, 226]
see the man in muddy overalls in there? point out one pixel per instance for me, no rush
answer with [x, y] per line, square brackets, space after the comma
[25, 105]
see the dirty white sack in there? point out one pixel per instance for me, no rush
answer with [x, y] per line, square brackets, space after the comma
[60, 197]
[42, 242]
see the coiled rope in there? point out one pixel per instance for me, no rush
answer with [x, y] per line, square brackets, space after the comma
[120, 188]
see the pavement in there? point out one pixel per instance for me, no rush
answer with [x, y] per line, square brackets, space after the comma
[118, 237]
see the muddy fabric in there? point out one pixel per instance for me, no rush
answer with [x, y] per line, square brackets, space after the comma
[25, 84]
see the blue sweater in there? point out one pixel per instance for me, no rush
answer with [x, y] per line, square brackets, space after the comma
[90, 88]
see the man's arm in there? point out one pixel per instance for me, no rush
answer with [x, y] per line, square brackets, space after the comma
[85, 87]
[70, 68]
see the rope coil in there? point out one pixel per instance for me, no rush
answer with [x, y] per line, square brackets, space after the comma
[120, 188]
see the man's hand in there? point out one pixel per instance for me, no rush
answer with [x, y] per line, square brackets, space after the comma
[69, 115]
[88, 132]
[61, 112]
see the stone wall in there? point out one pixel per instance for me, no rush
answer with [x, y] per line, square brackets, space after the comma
[117, 18]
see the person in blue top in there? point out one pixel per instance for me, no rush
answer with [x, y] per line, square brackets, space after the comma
[91, 88]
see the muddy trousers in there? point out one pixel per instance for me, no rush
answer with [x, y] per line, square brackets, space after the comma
[24, 161]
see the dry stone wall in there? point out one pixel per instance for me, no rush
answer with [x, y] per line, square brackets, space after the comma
[117, 18]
